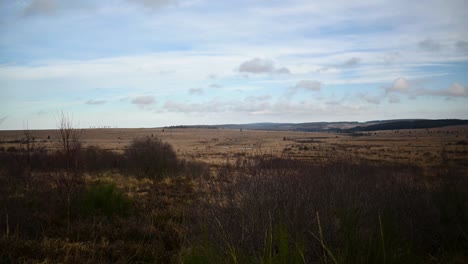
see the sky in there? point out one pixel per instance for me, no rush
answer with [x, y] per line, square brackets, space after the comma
[143, 63]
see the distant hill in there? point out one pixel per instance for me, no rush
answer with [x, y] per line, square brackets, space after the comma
[344, 127]
[409, 124]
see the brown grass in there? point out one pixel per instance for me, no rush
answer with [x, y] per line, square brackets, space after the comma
[425, 147]
[391, 196]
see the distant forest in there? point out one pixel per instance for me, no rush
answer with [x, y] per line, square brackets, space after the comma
[409, 124]
[340, 127]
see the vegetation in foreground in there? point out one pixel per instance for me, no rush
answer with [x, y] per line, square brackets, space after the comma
[88, 205]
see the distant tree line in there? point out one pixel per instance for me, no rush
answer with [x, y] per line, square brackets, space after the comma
[416, 124]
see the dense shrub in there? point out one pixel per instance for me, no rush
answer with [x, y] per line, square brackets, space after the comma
[151, 158]
[98, 159]
[104, 198]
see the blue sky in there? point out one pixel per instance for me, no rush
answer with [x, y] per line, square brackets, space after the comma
[143, 63]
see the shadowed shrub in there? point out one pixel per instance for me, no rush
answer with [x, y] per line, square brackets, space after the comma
[98, 159]
[151, 158]
[104, 198]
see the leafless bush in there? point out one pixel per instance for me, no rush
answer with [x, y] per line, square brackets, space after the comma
[152, 158]
[69, 178]
[356, 203]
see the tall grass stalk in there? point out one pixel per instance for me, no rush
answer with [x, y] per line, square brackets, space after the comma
[326, 250]
[382, 240]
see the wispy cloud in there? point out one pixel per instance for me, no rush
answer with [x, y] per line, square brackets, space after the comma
[153, 4]
[352, 62]
[393, 99]
[41, 7]
[308, 85]
[455, 90]
[402, 86]
[258, 65]
[143, 100]
[257, 98]
[215, 85]
[370, 98]
[196, 91]
[95, 102]
[262, 107]
[430, 45]
[282, 70]
[266, 59]
[462, 46]
[303, 85]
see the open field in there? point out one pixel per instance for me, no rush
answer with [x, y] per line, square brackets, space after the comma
[426, 147]
[231, 196]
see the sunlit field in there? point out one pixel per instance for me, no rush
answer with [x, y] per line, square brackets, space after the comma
[422, 147]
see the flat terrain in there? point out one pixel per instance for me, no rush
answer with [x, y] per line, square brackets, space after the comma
[367, 191]
[426, 147]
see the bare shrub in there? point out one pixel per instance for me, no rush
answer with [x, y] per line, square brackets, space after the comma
[369, 212]
[69, 144]
[151, 158]
[68, 177]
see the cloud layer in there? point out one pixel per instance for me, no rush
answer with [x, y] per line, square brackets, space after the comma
[184, 61]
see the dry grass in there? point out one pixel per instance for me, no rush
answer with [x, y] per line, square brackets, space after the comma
[425, 147]
[392, 196]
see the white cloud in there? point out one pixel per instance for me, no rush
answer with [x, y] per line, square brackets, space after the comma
[143, 100]
[196, 91]
[400, 85]
[95, 102]
[188, 45]
[457, 90]
[258, 65]
[309, 85]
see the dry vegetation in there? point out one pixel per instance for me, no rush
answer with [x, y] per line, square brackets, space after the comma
[424, 147]
[226, 196]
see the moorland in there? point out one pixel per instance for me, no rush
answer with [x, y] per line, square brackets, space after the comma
[233, 195]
